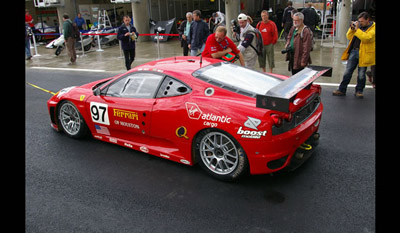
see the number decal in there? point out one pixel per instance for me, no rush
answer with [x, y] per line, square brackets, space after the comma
[99, 113]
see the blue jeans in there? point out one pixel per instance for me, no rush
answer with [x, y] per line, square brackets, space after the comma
[352, 64]
[193, 52]
[27, 48]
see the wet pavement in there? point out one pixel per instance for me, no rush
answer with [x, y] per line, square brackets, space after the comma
[92, 186]
[111, 58]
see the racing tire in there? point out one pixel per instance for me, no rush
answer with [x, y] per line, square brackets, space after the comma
[87, 47]
[59, 50]
[220, 155]
[71, 121]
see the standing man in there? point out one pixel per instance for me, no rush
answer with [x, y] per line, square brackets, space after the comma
[360, 52]
[298, 44]
[127, 34]
[69, 40]
[184, 30]
[28, 34]
[80, 22]
[248, 41]
[198, 34]
[287, 21]
[269, 34]
[218, 45]
[311, 17]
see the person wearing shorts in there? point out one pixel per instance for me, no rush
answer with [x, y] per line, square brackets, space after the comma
[269, 34]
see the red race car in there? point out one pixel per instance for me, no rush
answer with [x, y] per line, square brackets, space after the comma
[225, 117]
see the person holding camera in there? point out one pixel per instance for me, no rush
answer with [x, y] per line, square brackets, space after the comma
[360, 52]
[298, 44]
[127, 34]
[247, 45]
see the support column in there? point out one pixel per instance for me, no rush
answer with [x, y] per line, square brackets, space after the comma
[69, 8]
[141, 18]
[231, 12]
[344, 20]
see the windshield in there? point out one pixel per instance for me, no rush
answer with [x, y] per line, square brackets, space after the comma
[237, 78]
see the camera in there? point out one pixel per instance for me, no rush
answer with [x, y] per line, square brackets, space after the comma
[286, 50]
[235, 26]
[353, 24]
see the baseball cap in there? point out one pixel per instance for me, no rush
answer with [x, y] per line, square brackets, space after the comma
[242, 17]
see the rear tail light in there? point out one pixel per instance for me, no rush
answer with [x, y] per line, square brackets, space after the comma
[319, 90]
[288, 116]
[277, 119]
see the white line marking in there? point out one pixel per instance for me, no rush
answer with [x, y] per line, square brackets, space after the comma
[337, 84]
[66, 69]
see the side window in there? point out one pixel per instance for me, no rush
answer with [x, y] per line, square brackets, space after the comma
[137, 85]
[172, 87]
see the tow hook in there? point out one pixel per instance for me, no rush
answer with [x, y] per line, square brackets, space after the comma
[305, 146]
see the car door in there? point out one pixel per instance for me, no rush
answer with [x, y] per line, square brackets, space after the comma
[124, 108]
[169, 120]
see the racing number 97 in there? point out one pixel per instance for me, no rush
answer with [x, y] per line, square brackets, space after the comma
[95, 112]
[99, 113]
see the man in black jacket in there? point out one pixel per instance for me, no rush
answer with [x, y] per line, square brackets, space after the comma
[198, 34]
[127, 34]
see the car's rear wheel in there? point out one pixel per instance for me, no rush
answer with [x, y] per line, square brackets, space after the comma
[71, 120]
[220, 155]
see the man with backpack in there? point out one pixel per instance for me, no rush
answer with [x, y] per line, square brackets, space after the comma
[269, 34]
[298, 44]
[248, 41]
[70, 36]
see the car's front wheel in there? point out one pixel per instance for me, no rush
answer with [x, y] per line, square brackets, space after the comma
[220, 155]
[71, 120]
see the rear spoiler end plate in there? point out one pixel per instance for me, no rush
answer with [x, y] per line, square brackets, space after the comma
[279, 97]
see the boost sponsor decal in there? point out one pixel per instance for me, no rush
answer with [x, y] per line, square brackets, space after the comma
[251, 123]
[251, 133]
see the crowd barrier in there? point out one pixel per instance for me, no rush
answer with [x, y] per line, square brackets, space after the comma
[83, 33]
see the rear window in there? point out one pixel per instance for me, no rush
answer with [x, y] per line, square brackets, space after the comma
[237, 78]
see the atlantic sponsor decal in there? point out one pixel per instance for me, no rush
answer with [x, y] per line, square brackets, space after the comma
[210, 119]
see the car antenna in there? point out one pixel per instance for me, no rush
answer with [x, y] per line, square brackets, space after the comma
[201, 60]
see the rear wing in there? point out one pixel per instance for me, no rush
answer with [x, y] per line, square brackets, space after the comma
[279, 97]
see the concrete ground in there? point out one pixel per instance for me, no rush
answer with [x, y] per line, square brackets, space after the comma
[111, 58]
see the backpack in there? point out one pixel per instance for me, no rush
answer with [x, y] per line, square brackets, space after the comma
[75, 31]
[259, 41]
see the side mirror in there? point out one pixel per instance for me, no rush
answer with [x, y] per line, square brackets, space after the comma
[96, 91]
